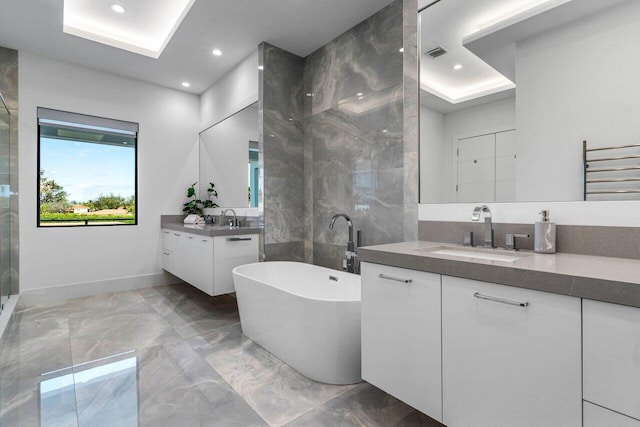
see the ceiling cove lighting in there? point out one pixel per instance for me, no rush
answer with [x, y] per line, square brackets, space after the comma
[118, 8]
[146, 31]
[216, 52]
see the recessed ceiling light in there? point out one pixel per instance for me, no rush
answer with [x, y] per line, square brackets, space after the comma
[401, 50]
[384, 130]
[186, 84]
[260, 67]
[361, 97]
[216, 52]
[118, 8]
[457, 67]
[359, 94]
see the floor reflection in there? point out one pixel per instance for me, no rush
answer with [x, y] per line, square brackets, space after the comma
[165, 357]
[97, 393]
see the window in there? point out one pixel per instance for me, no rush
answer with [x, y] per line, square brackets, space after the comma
[86, 170]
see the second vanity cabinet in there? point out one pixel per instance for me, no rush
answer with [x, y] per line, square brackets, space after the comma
[401, 335]
[207, 262]
[611, 363]
[510, 356]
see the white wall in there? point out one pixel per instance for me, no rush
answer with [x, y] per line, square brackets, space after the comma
[234, 91]
[439, 146]
[433, 148]
[579, 82]
[224, 156]
[69, 262]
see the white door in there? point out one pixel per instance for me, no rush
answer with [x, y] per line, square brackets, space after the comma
[476, 169]
[506, 166]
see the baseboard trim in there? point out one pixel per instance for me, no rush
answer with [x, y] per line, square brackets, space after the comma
[86, 289]
[6, 317]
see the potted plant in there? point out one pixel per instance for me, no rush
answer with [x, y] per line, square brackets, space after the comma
[194, 205]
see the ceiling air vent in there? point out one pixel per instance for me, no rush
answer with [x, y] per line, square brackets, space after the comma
[436, 51]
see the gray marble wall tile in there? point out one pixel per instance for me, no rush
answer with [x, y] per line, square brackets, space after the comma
[328, 255]
[284, 217]
[282, 147]
[354, 135]
[411, 124]
[289, 251]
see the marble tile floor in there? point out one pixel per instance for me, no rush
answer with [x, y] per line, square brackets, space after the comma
[166, 356]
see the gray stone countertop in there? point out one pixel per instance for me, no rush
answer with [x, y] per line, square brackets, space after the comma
[615, 280]
[210, 230]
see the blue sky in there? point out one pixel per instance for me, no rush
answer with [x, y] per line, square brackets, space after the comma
[86, 170]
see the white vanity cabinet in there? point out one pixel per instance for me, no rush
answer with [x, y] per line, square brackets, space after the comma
[401, 335]
[510, 356]
[611, 340]
[207, 262]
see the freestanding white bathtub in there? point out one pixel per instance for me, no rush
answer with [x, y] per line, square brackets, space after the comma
[307, 316]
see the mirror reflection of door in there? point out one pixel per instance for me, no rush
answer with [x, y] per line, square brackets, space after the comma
[485, 166]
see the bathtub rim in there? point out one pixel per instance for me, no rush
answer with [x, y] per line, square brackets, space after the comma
[236, 272]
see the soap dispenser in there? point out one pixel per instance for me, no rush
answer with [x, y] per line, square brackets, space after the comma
[545, 235]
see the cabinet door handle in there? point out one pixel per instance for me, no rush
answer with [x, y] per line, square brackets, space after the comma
[167, 253]
[176, 234]
[165, 232]
[500, 300]
[189, 237]
[395, 279]
[238, 239]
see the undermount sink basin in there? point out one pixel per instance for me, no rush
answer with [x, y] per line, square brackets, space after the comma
[477, 253]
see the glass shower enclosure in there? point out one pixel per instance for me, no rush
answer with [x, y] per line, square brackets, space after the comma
[5, 214]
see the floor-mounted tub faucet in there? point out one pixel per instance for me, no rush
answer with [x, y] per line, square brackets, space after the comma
[350, 263]
[488, 226]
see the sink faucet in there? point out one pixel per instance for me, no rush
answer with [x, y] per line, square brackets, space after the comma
[235, 218]
[350, 263]
[488, 226]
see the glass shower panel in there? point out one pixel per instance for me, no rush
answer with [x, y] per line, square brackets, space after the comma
[5, 216]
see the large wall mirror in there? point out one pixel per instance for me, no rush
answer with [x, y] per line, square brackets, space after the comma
[229, 158]
[510, 89]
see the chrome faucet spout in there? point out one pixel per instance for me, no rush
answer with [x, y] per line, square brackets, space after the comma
[235, 217]
[349, 223]
[488, 226]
